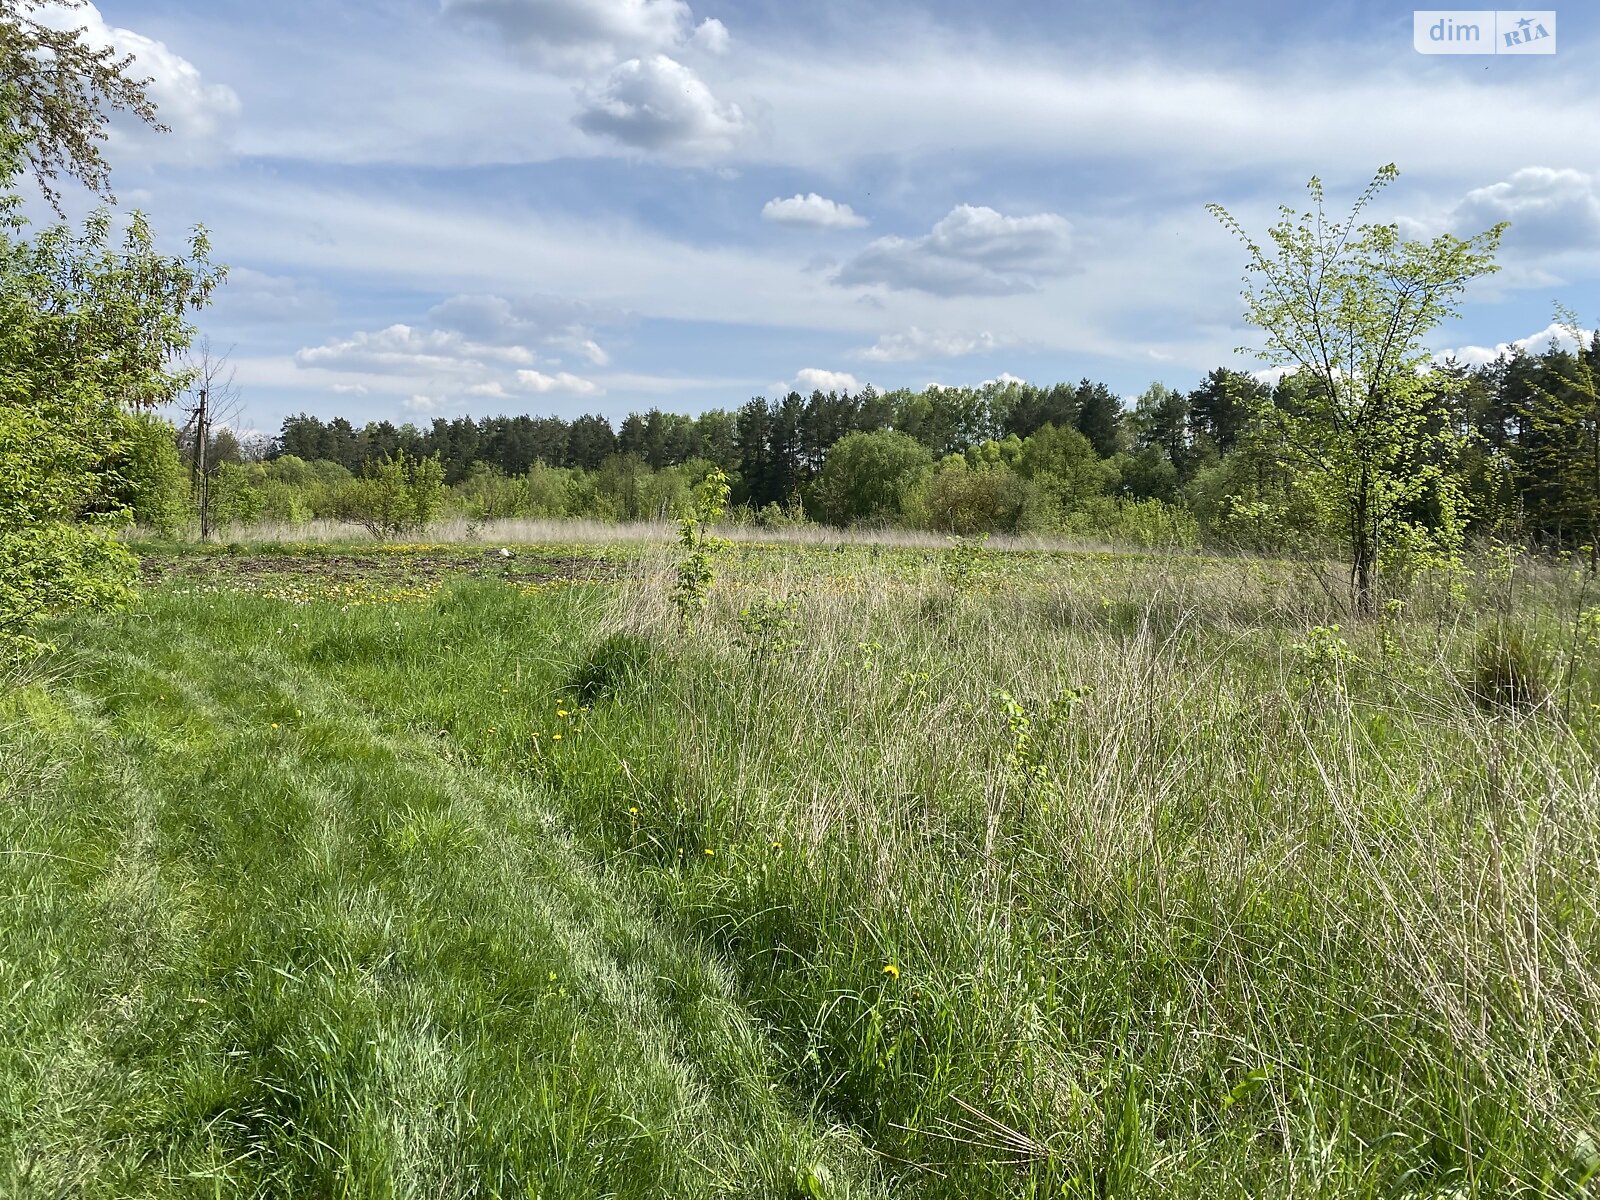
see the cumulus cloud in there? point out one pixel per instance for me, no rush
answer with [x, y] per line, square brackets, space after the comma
[658, 105]
[1550, 209]
[586, 34]
[711, 35]
[1534, 343]
[974, 251]
[814, 379]
[563, 381]
[914, 345]
[812, 211]
[200, 115]
[468, 346]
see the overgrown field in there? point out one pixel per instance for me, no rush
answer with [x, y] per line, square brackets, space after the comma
[895, 873]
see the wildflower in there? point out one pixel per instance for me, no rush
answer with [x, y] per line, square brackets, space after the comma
[555, 737]
[561, 712]
[634, 810]
[892, 970]
[777, 845]
[709, 852]
[274, 724]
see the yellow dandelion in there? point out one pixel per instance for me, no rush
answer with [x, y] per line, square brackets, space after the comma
[555, 737]
[274, 724]
[634, 810]
[777, 845]
[892, 970]
[709, 851]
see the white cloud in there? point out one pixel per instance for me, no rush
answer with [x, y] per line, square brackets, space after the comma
[547, 321]
[539, 382]
[711, 35]
[914, 345]
[1550, 210]
[658, 105]
[349, 389]
[419, 403]
[1004, 379]
[1534, 343]
[404, 349]
[200, 115]
[585, 34]
[974, 251]
[812, 211]
[813, 379]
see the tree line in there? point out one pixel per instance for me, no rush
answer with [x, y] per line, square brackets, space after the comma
[1005, 457]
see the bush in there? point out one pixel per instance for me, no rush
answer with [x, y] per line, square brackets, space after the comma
[396, 495]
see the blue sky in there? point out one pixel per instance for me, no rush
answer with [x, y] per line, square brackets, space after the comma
[437, 207]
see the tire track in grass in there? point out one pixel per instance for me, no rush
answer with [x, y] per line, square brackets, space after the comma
[351, 968]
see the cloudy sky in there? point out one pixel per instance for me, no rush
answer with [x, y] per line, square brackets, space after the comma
[435, 207]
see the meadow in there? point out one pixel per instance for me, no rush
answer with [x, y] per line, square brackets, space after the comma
[337, 870]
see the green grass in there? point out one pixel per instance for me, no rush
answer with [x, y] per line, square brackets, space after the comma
[519, 889]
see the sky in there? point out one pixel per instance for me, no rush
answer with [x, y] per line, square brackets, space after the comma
[432, 208]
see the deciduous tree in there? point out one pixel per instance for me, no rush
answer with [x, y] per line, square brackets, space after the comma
[1351, 304]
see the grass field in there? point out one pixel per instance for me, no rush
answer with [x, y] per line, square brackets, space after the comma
[421, 872]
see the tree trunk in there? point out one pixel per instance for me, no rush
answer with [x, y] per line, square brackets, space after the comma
[1363, 550]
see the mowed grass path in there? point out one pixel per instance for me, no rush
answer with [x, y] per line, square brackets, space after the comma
[892, 875]
[257, 940]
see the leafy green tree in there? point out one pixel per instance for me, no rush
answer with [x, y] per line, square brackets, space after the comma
[1220, 408]
[54, 92]
[89, 325]
[962, 499]
[395, 495]
[1063, 465]
[1351, 304]
[867, 476]
[148, 479]
[1161, 421]
[1565, 415]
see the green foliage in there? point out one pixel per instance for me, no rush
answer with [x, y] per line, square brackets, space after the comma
[396, 495]
[88, 326]
[967, 563]
[695, 574]
[962, 499]
[1349, 305]
[766, 627]
[867, 477]
[1146, 523]
[1323, 658]
[147, 479]
[56, 88]
[1564, 414]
